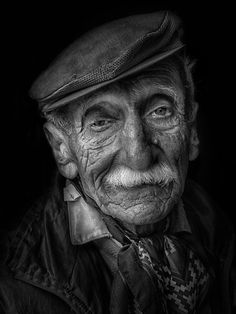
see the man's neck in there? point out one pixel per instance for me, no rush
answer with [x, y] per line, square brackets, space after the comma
[145, 230]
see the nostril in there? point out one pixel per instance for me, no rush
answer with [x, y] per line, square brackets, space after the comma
[139, 159]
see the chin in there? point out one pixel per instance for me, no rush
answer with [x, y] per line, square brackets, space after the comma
[143, 205]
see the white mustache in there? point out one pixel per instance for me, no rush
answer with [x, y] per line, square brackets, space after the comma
[125, 177]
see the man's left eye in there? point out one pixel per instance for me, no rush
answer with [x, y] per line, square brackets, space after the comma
[162, 112]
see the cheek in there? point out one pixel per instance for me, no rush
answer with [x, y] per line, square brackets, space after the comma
[174, 144]
[93, 157]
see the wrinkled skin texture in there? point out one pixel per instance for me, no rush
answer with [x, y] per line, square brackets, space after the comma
[137, 126]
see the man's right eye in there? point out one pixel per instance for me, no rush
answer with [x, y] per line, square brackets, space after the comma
[100, 125]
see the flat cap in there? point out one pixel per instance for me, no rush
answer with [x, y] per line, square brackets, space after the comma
[106, 54]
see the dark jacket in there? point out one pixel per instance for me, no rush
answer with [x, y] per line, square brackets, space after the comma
[44, 273]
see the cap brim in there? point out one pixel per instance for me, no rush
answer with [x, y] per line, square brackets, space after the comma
[137, 68]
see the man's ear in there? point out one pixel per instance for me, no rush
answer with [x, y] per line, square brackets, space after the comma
[194, 144]
[193, 139]
[58, 141]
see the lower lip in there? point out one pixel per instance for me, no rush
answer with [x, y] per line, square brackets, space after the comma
[139, 188]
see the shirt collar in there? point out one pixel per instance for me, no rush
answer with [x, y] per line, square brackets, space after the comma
[179, 221]
[86, 224]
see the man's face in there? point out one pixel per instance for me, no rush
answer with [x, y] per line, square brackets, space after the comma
[130, 143]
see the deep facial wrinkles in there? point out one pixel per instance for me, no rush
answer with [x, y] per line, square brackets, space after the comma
[105, 149]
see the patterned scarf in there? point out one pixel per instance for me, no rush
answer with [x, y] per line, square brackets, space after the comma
[156, 274]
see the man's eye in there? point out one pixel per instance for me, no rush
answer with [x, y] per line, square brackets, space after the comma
[162, 112]
[100, 125]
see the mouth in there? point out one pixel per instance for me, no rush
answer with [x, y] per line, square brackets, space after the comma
[144, 187]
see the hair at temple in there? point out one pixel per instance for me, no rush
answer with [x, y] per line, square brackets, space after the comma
[61, 117]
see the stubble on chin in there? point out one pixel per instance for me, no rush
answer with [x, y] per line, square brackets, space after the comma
[143, 206]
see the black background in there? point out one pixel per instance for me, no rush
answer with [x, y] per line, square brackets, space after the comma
[34, 34]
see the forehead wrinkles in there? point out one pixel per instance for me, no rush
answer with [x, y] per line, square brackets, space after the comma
[142, 87]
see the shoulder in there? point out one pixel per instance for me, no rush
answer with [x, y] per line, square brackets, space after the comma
[17, 297]
[213, 230]
[12, 292]
[208, 221]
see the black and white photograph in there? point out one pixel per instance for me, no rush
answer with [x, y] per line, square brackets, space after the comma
[118, 139]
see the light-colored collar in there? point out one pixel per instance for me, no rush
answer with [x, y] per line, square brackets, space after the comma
[86, 223]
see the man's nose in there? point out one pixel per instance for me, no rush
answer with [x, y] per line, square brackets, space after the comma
[137, 151]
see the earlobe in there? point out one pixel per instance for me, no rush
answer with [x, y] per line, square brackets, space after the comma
[194, 144]
[62, 153]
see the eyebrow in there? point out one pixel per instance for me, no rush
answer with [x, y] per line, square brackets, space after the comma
[146, 96]
[102, 106]
[165, 96]
[148, 87]
[91, 109]
[140, 87]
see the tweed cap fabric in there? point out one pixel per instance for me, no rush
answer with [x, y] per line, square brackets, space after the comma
[106, 54]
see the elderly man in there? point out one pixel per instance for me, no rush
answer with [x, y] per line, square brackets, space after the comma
[122, 231]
